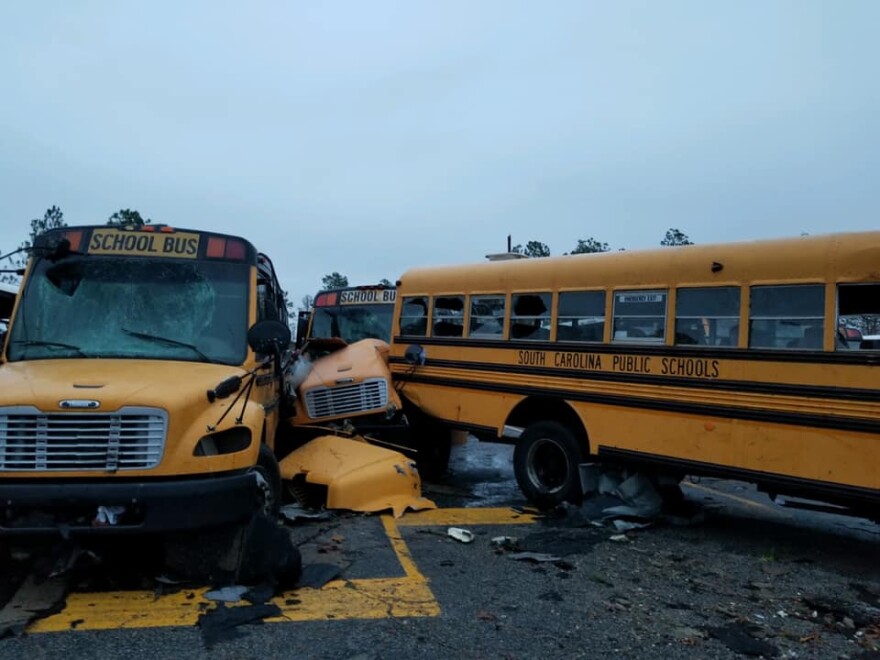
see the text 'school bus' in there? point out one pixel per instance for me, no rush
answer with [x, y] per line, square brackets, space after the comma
[352, 314]
[123, 354]
[727, 360]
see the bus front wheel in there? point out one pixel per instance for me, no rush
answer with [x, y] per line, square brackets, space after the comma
[545, 462]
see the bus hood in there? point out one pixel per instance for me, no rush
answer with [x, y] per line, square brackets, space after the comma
[45, 384]
[358, 476]
[367, 358]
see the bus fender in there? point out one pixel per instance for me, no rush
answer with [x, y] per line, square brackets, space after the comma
[358, 476]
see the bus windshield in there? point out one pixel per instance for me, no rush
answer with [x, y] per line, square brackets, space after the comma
[111, 307]
[352, 322]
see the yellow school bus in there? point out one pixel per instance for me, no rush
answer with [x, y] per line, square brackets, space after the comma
[140, 384]
[727, 360]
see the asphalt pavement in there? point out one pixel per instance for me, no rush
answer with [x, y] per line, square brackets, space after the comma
[749, 577]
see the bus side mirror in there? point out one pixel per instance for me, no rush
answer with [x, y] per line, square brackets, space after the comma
[415, 355]
[269, 337]
[302, 327]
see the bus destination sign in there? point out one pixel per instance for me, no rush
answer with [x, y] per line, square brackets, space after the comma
[180, 245]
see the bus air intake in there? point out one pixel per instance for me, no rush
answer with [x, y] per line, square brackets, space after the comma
[369, 395]
[34, 441]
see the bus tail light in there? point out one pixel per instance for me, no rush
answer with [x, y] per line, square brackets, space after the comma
[222, 248]
[75, 239]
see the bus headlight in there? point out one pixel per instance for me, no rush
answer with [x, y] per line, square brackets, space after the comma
[224, 442]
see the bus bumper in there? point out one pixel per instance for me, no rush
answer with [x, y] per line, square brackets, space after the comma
[110, 507]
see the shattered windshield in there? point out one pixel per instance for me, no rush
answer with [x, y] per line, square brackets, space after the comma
[105, 307]
[353, 322]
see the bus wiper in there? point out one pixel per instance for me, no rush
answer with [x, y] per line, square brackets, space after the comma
[166, 340]
[49, 344]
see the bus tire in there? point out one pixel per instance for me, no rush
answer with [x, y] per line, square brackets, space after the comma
[545, 463]
[269, 482]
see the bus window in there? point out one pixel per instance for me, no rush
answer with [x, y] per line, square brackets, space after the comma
[487, 316]
[448, 316]
[414, 316]
[640, 316]
[530, 318]
[581, 316]
[787, 316]
[707, 317]
[858, 317]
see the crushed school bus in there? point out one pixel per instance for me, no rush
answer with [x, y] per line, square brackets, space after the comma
[141, 383]
[733, 360]
[343, 380]
[343, 374]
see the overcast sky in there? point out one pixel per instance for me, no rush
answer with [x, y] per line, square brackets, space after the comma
[369, 136]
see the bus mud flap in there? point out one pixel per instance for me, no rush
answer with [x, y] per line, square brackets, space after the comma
[358, 476]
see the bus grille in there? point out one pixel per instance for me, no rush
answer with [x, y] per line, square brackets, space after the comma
[362, 397]
[131, 439]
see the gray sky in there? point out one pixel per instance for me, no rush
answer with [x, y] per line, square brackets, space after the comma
[370, 136]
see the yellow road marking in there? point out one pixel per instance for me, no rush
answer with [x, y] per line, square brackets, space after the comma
[374, 598]
[737, 498]
[498, 516]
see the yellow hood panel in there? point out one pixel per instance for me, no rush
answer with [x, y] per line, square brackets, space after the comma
[359, 476]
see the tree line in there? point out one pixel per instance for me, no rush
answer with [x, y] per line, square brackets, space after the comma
[53, 218]
[674, 237]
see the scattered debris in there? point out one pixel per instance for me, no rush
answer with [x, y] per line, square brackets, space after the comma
[219, 624]
[505, 542]
[231, 594]
[358, 476]
[316, 576]
[632, 499]
[295, 512]
[626, 526]
[266, 552]
[534, 557]
[259, 594]
[33, 600]
[108, 516]
[619, 538]
[460, 534]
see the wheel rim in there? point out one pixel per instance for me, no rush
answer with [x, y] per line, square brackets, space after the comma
[548, 465]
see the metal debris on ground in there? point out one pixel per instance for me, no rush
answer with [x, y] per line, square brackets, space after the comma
[231, 594]
[295, 512]
[505, 542]
[632, 500]
[534, 557]
[627, 526]
[460, 534]
[316, 576]
[356, 475]
[33, 600]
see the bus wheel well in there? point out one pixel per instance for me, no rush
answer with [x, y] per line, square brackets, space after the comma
[536, 409]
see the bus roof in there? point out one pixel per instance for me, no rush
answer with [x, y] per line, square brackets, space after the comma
[845, 257]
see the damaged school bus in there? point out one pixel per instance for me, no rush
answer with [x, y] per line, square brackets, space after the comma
[141, 383]
[721, 360]
[343, 372]
[343, 379]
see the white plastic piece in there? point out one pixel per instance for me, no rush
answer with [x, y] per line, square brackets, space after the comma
[460, 534]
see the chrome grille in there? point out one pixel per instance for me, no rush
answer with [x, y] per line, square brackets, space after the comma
[130, 439]
[361, 397]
